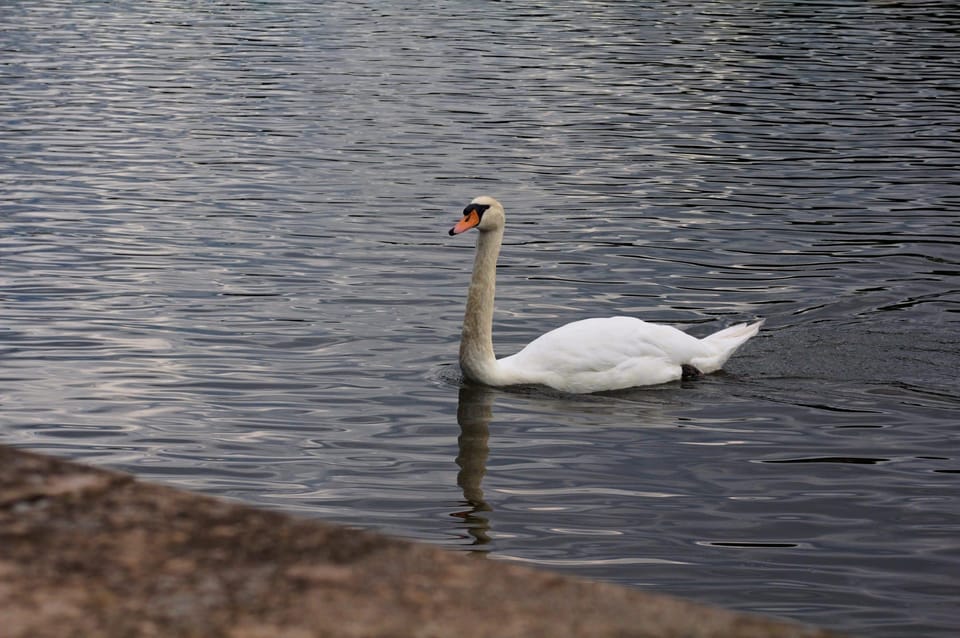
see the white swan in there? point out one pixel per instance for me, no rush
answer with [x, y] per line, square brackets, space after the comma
[590, 355]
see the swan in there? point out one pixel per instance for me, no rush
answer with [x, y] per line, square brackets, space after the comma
[590, 355]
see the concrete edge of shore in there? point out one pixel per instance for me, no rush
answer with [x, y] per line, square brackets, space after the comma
[90, 552]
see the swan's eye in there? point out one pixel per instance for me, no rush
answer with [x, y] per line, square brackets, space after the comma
[479, 209]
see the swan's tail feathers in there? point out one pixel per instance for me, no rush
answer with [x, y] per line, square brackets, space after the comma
[724, 343]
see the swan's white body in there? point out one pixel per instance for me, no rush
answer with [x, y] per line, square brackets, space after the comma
[590, 355]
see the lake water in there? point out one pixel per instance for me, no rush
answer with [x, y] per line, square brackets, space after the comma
[224, 264]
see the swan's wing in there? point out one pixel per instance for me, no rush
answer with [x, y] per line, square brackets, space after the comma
[610, 353]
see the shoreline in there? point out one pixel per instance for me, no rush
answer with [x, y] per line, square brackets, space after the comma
[92, 552]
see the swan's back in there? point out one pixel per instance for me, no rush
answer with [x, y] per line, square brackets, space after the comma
[619, 352]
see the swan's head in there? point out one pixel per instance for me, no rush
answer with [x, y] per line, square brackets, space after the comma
[483, 213]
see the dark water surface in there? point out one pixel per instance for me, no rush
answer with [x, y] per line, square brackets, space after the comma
[224, 265]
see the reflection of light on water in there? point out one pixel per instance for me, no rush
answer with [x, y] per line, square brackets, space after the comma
[714, 443]
[586, 531]
[608, 491]
[574, 562]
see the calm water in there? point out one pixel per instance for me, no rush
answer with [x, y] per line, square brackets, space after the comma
[224, 265]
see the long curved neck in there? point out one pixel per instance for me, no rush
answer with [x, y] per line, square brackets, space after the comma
[476, 343]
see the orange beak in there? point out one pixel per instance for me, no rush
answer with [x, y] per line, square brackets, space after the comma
[469, 220]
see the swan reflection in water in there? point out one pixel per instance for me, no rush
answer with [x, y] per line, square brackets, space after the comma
[474, 414]
[474, 411]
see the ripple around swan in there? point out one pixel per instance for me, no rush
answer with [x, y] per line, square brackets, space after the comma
[225, 266]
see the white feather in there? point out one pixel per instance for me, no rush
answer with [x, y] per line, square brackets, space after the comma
[620, 352]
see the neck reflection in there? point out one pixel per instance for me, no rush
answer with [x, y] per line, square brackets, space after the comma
[474, 411]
